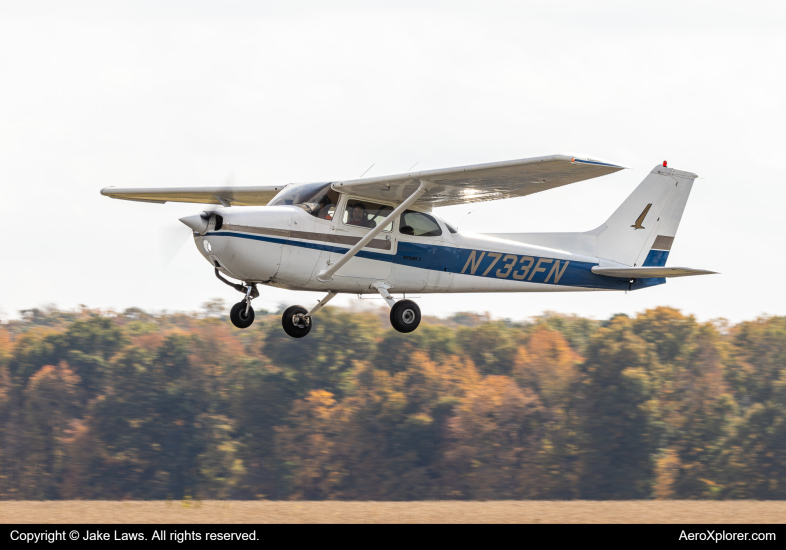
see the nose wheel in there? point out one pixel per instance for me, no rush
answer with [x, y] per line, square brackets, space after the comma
[242, 315]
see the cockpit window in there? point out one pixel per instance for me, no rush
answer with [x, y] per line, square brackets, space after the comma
[318, 199]
[418, 224]
[366, 214]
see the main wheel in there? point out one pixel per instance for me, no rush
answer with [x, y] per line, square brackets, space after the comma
[239, 317]
[296, 327]
[405, 316]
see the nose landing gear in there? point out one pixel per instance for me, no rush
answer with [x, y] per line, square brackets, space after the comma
[242, 314]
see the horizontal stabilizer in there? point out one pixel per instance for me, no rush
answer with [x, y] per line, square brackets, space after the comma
[641, 272]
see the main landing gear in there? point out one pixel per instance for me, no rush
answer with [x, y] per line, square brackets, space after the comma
[404, 314]
[297, 320]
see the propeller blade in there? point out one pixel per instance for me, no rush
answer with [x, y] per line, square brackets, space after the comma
[172, 239]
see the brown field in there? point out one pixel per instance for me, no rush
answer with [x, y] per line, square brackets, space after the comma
[214, 511]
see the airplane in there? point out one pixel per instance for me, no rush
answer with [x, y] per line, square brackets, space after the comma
[380, 235]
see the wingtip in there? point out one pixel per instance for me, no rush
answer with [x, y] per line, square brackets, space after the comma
[587, 159]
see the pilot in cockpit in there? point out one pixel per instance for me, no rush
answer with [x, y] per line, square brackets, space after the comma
[325, 208]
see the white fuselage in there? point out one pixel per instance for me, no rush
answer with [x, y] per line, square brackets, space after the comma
[286, 247]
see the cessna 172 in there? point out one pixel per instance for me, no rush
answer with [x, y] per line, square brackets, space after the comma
[380, 235]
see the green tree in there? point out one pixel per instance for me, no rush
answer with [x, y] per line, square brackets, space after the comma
[491, 346]
[619, 432]
[755, 458]
[324, 358]
[88, 345]
[152, 424]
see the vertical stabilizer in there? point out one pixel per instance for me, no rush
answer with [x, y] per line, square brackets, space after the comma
[642, 230]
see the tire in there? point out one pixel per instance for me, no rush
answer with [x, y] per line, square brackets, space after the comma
[238, 315]
[405, 316]
[289, 325]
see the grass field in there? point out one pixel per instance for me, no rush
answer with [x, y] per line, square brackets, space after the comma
[393, 512]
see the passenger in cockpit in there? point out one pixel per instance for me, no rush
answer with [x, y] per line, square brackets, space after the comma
[359, 217]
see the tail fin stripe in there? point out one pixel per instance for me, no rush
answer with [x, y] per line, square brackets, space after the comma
[662, 242]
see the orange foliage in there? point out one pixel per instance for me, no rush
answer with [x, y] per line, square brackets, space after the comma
[547, 365]
[495, 441]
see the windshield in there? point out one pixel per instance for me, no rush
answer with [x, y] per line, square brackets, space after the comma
[318, 199]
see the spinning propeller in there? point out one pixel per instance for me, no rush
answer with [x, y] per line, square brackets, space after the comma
[173, 237]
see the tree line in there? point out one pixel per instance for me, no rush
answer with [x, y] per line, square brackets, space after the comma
[134, 405]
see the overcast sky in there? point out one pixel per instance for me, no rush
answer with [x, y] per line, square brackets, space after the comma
[162, 93]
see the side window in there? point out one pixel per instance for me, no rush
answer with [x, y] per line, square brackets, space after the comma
[419, 224]
[450, 227]
[366, 214]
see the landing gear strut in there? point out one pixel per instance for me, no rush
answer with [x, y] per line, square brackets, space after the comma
[242, 314]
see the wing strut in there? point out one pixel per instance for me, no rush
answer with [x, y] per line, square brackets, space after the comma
[327, 274]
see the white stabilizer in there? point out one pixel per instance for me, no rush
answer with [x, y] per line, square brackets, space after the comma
[640, 272]
[652, 210]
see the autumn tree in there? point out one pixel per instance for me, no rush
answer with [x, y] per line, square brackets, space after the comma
[51, 403]
[495, 442]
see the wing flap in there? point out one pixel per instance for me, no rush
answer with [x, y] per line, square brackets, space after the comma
[640, 272]
[482, 182]
[258, 195]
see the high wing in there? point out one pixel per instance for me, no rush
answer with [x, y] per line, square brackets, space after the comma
[225, 195]
[482, 182]
[638, 272]
[464, 184]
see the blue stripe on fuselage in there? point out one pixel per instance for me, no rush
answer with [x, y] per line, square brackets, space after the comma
[484, 263]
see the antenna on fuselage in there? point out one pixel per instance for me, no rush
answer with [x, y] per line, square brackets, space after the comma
[462, 219]
[367, 169]
[411, 167]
